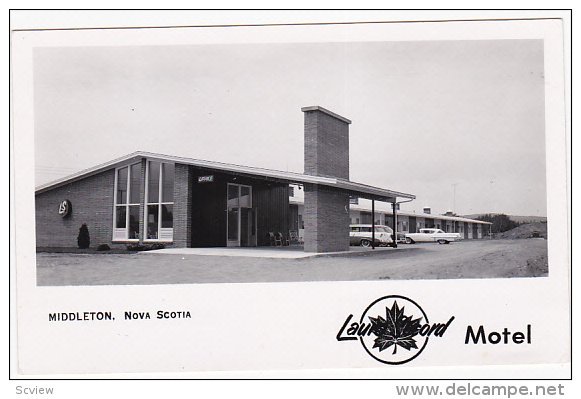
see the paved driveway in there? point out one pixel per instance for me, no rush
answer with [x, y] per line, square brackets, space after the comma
[466, 259]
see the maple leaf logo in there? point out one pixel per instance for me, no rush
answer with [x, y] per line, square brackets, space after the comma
[395, 330]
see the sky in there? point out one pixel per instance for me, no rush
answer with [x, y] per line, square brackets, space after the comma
[428, 116]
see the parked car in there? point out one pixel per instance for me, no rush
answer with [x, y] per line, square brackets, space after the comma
[401, 238]
[432, 235]
[360, 234]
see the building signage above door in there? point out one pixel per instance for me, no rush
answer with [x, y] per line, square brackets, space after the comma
[206, 179]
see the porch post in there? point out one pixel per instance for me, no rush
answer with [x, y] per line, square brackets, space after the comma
[372, 224]
[394, 216]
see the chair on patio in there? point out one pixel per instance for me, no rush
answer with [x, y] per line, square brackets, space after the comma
[294, 237]
[275, 240]
[283, 239]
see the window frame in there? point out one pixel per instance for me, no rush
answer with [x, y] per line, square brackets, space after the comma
[116, 231]
[159, 204]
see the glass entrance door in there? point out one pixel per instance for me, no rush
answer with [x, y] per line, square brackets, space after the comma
[239, 204]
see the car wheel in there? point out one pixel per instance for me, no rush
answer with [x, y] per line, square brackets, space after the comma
[365, 243]
[409, 241]
[442, 242]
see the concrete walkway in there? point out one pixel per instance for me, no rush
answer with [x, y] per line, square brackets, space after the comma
[292, 252]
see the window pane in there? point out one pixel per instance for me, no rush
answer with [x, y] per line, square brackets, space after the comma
[120, 217]
[167, 216]
[232, 195]
[133, 222]
[245, 198]
[152, 212]
[153, 182]
[167, 180]
[135, 184]
[233, 224]
[122, 186]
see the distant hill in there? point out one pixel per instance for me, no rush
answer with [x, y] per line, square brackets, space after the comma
[528, 230]
[518, 219]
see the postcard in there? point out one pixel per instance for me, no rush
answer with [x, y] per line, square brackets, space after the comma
[375, 196]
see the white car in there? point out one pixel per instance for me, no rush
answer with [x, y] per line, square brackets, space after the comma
[360, 234]
[432, 235]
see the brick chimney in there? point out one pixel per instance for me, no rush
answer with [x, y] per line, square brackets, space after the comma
[326, 154]
[326, 143]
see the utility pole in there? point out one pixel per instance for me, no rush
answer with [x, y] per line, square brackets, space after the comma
[454, 201]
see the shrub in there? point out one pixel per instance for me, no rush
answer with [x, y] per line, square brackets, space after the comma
[135, 247]
[500, 222]
[103, 247]
[146, 247]
[83, 239]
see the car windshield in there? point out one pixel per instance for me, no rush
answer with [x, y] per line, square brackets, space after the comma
[384, 229]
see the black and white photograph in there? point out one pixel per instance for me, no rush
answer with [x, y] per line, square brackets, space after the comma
[376, 181]
[283, 162]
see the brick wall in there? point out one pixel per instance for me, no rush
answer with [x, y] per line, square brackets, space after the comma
[326, 145]
[182, 223]
[92, 203]
[326, 220]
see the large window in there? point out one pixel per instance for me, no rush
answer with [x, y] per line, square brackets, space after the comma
[159, 201]
[365, 217]
[127, 191]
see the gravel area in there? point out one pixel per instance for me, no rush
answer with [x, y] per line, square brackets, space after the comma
[465, 259]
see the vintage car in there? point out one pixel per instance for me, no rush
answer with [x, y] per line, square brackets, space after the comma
[401, 238]
[360, 234]
[432, 235]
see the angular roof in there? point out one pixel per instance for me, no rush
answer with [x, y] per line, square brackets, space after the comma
[360, 189]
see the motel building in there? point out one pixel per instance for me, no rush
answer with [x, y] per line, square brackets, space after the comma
[360, 212]
[147, 198]
[152, 198]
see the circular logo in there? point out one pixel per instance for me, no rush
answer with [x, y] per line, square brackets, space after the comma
[64, 208]
[395, 335]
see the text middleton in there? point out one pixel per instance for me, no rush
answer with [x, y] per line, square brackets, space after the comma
[80, 316]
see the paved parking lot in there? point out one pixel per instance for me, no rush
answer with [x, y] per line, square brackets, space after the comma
[466, 259]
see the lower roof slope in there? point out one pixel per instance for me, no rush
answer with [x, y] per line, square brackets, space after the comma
[360, 189]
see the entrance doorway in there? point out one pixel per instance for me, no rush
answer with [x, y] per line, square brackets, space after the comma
[241, 218]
